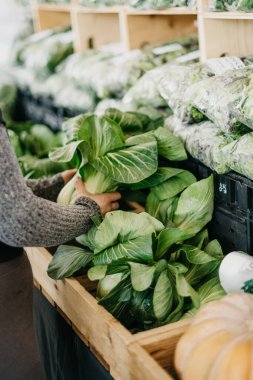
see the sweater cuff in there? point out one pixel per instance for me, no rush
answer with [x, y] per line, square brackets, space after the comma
[89, 203]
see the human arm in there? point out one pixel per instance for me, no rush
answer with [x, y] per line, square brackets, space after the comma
[27, 220]
[49, 188]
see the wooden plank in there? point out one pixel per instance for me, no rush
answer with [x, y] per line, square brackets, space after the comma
[48, 19]
[152, 29]
[54, 7]
[161, 343]
[168, 11]
[100, 9]
[143, 366]
[230, 37]
[228, 15]
[101, 330]
[88, 27]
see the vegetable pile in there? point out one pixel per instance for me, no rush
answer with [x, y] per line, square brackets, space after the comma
[32, 143]
[142, 4]
[231, 5]
[77, 82]
[159, 265]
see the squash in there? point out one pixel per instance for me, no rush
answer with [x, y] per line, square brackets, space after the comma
[219, 343]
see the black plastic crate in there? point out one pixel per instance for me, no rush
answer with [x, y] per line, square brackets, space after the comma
[233, 228]
[234, 190]
[41, 110]
[230, 190]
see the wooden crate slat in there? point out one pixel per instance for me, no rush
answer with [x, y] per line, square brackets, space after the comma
[161, 342]
[144, 367]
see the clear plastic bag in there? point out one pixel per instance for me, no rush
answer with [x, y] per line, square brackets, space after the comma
[145, 92]
[8, 94]
[240, 155]
[242, 108]
[42, 53]
[231, 5]
[206, 143]
[213, 97]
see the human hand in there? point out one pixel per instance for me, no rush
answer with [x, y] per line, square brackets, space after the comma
[67, 175]
[107, 201]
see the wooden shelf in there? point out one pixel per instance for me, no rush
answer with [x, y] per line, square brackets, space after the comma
[54, 7]
[99, 9]
[219, 32]
[132, 11]
[166, 12]
[228, 15]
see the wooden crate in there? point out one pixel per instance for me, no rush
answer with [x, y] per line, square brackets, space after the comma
[146, 355]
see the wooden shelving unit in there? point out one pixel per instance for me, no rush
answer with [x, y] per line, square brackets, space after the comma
[219, 32]
[101, 25]
[227, 33]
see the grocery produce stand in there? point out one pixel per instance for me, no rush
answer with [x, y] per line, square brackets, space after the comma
[145, 355]
[148, 355]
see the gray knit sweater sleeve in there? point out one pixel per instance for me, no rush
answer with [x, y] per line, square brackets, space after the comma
[27, 220]
[47, 188]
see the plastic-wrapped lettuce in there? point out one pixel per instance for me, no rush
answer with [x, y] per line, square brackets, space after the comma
[8, 93]
[112, 103]
[107, 75]
[90, 3]
[242, 108]
[178, 128]
[42, 53]
[206, 143]
[180, 83]
[160, 4]
[213, 97]
[231, 5]
[55, 1]
[65, 93]
[115, 76]
[172, 50]
[175, 79]
[78, 66]
[75, 99]
[145, 92]
[240, 155]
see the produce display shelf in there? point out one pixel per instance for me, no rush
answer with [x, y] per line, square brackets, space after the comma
[99, 9]
[132, 11]
[228, 15]
[168, 11]
[54, 7]
[127, 356]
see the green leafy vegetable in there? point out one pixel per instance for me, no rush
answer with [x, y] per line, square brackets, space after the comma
[67, 260]
[195, 206]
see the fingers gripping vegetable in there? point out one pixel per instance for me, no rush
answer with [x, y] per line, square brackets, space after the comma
[107, 202]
